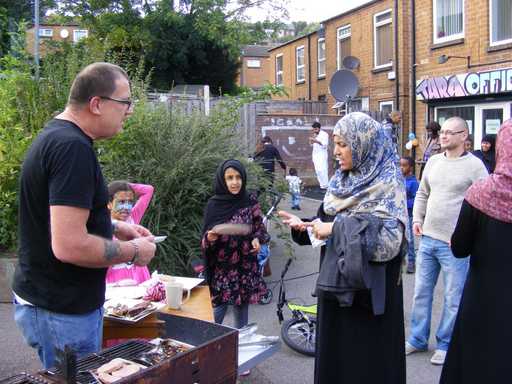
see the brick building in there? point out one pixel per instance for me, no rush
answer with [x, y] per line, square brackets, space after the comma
[371, 33]
[254, 66]
[54, 32]
[463, 63]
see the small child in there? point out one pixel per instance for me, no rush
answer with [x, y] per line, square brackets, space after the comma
[294, 185]
[411, 186]
[122, 205]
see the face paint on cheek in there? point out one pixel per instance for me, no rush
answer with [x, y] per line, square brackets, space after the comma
[119, 206]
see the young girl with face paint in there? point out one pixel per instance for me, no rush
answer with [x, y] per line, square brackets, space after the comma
[128, 202]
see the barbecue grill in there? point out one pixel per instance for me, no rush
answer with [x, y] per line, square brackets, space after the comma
[213, 359]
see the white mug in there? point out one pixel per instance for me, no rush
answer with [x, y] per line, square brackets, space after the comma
[174, 294]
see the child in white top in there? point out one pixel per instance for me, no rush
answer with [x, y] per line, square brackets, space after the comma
[294, 186]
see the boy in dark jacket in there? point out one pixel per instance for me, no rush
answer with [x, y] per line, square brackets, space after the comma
[411, 186]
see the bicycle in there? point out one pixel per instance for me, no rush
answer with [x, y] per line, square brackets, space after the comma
[298, 332]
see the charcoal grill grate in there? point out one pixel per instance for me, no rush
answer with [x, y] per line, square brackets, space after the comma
[24, 378]
[128, 351]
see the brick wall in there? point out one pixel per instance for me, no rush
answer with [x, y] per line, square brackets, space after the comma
[29, 38]
[475, 43]
[254, 77]
[290, 134]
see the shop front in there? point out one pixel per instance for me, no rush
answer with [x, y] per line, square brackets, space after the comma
[483, 99]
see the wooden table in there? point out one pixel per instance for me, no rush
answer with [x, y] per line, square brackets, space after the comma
[199, 306]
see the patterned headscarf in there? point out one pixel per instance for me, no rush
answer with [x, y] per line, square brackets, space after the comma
[375, 184]
[493, 195]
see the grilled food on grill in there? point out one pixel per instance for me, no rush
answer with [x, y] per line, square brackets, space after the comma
[117, 369]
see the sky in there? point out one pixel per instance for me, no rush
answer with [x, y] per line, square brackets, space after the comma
[312, 10]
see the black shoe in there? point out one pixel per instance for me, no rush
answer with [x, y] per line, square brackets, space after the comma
[294, 208]
[411, 267]
[298, 208]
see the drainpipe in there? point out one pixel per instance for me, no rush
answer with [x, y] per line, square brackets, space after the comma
[397, 72]
[309, 67]
[412, 92]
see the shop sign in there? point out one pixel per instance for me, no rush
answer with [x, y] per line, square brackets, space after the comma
[465, 84]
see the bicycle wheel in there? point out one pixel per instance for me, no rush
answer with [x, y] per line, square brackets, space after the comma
[266, 298]
[299, 335]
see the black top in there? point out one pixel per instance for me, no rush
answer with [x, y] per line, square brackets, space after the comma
[267, 156]
[60, 168]
[479, 348]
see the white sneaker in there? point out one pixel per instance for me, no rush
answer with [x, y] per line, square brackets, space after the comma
[438, 357]
[409, 348]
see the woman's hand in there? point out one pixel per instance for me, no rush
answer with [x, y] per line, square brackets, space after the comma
[256, 246]
[212, 236]
[292, 221]
[321, 230]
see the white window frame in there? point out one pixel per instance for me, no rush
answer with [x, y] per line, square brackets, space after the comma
[297, 66]
[384, 103]
[319, 60]
[43, 32]
[491, 42]
[340, 36]
[75, 31]
[375, 26]
[253, 63]
[281, 72]
[439, 40]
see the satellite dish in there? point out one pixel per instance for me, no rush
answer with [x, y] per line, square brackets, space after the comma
[351, 62]
[64, 33]
[344, 85]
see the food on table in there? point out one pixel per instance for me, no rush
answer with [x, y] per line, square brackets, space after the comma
[155, 292]
[123, 310]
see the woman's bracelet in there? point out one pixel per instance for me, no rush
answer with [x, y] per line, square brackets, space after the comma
[135, 253]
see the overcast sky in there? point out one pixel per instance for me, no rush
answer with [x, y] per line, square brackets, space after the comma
[312, 10]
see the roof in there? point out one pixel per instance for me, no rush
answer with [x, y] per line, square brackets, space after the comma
[293, 40]
[255, 50]
[353, 10]
[188, 89]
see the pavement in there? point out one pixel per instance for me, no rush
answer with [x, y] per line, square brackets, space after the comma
[286, 366]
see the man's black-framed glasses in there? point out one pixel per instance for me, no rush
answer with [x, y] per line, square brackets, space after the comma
[128, 103]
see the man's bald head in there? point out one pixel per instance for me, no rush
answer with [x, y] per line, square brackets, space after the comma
[97, 79]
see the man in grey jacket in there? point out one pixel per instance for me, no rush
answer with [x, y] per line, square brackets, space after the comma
[445, 180]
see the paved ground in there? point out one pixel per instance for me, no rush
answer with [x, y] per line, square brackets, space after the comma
[285, 367]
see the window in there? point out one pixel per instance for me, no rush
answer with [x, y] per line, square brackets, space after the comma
[343, 46]
[279, 69]
[448, 20]
[383, 39]
[43, 32]
[500, 21]
[466, 112]
[386, 107]
[79, 34]
[253, 63]
[321, 57]
[299, 59]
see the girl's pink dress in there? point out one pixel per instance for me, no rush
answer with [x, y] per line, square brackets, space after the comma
[124, 271]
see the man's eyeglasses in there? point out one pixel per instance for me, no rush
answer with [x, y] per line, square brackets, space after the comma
[129, 103]
[449, 133]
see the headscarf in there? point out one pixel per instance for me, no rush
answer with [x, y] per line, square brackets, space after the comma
[489, 157]
[375, 184]
[493, 195]
[223, 205]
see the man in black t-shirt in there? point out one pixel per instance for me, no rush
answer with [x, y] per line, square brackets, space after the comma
[65, 230]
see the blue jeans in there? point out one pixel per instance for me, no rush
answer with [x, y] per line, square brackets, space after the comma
[411, 253]
[295, 199]
[46, 331]
[435, 256]
[241, 313]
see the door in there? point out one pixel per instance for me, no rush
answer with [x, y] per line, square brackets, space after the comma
[488, 119]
